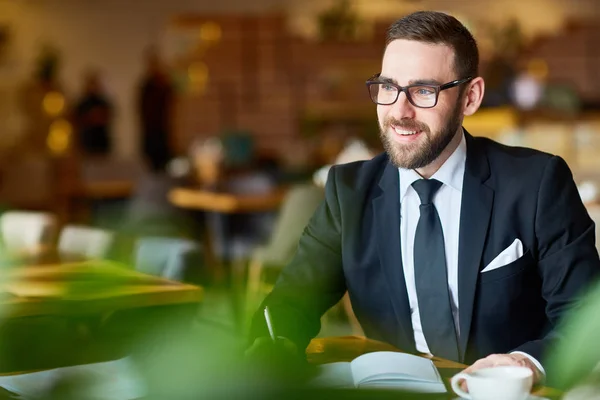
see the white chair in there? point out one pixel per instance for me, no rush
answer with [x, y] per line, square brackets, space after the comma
[28, 232]
[84, 241]
[298, 206]
[167, 257]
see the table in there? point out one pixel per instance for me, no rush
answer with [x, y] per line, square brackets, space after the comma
[347, 348]
[223, 202]
[86, 287]
[113, 189]
[75, 313]
[226, 204]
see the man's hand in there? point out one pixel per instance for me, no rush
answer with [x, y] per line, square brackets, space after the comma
[280, 360]
[266, 344]
[496, 360]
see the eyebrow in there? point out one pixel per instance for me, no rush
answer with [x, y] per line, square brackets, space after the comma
[385, 79]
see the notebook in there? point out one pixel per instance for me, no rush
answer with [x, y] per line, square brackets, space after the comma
[383, 369]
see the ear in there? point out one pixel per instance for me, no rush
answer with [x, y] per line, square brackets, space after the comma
[474, 96]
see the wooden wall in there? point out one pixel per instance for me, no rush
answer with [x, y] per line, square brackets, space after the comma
[263, 80]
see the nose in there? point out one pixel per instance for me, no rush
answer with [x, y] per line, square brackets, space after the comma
[402, 109]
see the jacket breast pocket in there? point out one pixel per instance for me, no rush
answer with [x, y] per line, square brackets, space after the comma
[508, 270]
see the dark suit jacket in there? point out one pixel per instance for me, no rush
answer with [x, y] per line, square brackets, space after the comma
[353, 243]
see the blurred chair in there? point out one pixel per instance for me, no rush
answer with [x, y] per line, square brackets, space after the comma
[107, 183]
[28, 233]
[149, 197]
[298, 206]
[236, 236]
[171, 258]
[86, 242]
[267, 261]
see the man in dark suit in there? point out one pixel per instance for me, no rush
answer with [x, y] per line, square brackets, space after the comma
[447, 244]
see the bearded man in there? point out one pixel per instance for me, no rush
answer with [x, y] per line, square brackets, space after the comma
[447, 244]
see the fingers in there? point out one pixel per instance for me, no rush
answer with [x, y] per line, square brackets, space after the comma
[497, 360]
[487, 362]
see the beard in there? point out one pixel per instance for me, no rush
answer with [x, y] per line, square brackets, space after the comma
[423, 152]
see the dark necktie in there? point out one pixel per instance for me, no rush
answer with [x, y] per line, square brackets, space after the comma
[431, 277]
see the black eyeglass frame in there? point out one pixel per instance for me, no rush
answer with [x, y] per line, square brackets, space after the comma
[436, 88]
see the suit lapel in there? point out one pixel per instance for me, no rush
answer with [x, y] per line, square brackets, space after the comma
[476, 209]
[387, 214]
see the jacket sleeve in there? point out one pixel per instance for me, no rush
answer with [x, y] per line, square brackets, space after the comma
[313, 281]
[566, 245]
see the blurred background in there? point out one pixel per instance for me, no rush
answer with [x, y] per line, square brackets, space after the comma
[85, 84]
[190, 139]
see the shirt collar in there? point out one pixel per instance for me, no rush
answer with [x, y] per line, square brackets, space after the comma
[451, 173]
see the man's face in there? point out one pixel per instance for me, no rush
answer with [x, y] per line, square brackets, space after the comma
[414, 137]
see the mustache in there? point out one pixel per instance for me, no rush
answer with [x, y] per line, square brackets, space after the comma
[406, 124]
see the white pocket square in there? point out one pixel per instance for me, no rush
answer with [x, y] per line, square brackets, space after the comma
[508, 255]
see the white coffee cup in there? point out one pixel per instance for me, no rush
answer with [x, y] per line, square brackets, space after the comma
[497, 383]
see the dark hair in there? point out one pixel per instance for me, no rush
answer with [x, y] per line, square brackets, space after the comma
[439, 28]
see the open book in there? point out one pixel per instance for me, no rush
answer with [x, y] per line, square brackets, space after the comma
[383, 369]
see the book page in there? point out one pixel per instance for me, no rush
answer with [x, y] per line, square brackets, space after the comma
[334, 375]
[390, 366]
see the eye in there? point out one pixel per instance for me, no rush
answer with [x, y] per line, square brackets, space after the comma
[424, 91]
[387, 87]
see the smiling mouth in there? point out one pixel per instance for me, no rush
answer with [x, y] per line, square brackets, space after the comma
[405, 132]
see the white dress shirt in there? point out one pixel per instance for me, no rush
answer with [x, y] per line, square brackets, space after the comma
[447, 201]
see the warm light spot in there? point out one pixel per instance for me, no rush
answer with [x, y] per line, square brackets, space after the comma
[538, 68]
[53, 103]
[198, 71]
[197, 77]
[210, 32]
[59, 137]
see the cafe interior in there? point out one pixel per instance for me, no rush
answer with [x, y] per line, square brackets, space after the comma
[159, 161]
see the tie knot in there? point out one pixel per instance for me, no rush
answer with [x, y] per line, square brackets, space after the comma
[426, 188]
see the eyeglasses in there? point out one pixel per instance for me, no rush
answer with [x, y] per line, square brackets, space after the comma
[419, 95]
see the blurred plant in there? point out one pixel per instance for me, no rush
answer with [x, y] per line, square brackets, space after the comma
[577, 354]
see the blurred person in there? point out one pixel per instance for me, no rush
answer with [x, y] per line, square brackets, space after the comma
[154, 106]
[93, 117]
[33, 96]
[447, 244]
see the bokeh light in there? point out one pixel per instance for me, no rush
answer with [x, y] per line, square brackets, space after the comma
[197, 77]
[53, 103]
[59, 136]
[210, 32]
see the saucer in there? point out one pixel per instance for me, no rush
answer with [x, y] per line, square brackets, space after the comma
[531, 397]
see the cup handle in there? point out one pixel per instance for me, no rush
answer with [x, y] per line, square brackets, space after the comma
[455, 383]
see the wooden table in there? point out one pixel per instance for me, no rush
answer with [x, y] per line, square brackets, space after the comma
[86, 287]
[77, 313]
[347, 348]
[228, 203]
[109, 189]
